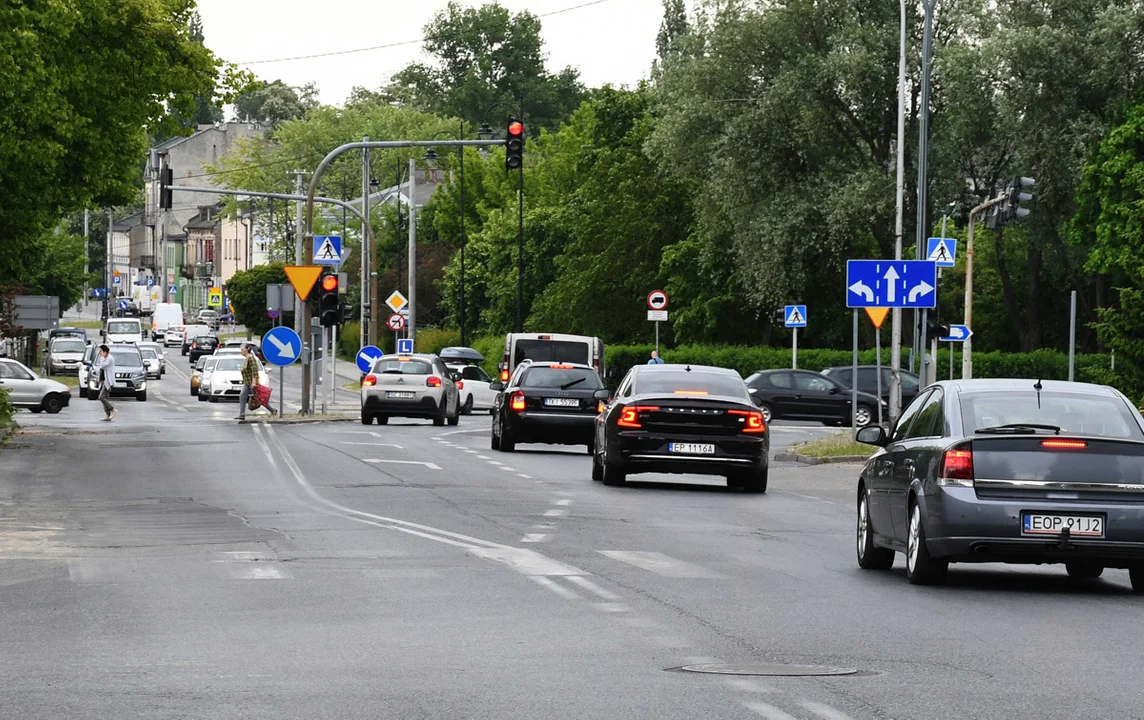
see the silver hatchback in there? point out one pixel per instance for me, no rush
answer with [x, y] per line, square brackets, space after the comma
[416, 386]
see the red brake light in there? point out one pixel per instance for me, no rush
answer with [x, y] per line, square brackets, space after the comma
[369, 381]
[753, 422]
[518, 401]
[1064, 444]
[433, 381]
[561, 367]
[957, 465]
[600, 408]
[460, 384]
[630, 416]
[691, 392]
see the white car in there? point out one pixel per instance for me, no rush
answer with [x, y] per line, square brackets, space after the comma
[205, 376]
[174, 336]
[161, 352]
[475, 392]
[224, 382]
[151, 362]
[28, 390]
[85, 369]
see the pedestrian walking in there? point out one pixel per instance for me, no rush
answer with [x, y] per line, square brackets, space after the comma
[4, 347]
[655, 358]
[105, 374]
[249, 380]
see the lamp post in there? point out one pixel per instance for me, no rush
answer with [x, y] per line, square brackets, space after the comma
[430, 160]
[485, 132]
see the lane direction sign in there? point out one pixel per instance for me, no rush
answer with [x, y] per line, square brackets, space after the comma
[328, 249]
[657, 300]
[405, 346]
[396, 322]
[891, 283]
[795, 316]
[281, 346]
[957, 333]
[367, 356]
[396, 301]
[942, 251]
[303, 277]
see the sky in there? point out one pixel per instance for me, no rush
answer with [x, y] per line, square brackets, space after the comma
[609, 41]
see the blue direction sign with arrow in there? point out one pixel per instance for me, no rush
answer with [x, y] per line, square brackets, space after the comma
[328, 249]
[943, 251]
[367, 356]
[122, 304]
[281, 346]
[957, 333]
[794, 316]
[891, 283]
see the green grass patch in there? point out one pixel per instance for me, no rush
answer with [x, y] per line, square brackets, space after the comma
[71, 381]
[352, 386]
[83, 324]
[838, 445]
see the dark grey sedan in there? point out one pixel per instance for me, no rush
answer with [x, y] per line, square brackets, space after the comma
[1013, 471]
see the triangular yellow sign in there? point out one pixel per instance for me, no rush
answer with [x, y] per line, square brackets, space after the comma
[877, 315]
[303, 277]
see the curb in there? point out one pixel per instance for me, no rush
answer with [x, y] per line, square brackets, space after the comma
[809, 460]
[297, 421]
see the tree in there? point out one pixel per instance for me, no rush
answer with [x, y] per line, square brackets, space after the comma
[207, 112]
[247, 293]
[482, 56]
[272, 103]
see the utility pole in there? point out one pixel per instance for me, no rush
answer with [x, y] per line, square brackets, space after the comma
[107, 269]
[299, 256]
[896, 313]
[412, 250]
[366, 249]
[464, 240]
[923, 172]
[162, 259]
[967, 345]
[86, 252]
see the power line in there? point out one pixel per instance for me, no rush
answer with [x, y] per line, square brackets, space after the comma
[400, 42]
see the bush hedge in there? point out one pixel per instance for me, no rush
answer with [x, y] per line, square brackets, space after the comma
[7, 409]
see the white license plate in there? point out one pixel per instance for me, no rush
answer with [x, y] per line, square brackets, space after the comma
[399, 395]
[691, 448]
[1078, 525]
[561, 402]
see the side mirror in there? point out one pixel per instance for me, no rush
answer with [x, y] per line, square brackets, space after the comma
[872, 435]
[834, 390]
[496, 385]
[602, 395]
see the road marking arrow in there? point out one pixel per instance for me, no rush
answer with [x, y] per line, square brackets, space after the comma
[284, 349]
[891, 278]
[922, 288]
[862, 289]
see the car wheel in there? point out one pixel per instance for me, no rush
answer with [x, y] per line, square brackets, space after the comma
[202, 398]
[494, 440]
[92, 394]
[366, 418]
[597, 468]
[82, 392]
[141, 396]
[613, 473]
[53, 403]
[36, 410]
[212, 398]
[864, 416]
[870, 557]
[1084, 570]
[194, 391]
[592, 447]
[1136, 575]
[921, 567]
[754, 481]
[467, 409]
[439, 419]
[382, 419]
[768, 413]
[456, 416]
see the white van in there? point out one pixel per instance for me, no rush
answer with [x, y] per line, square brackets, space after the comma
[165, 315]
[551, 347]
[123, 330]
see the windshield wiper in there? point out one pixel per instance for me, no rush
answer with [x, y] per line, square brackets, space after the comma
[567, 385]
[1017, 429]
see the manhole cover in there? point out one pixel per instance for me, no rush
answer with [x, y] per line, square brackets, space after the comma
[767, 669]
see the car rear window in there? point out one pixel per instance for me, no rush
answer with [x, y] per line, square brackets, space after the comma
[204, 341]
[552, 351]
[560, 378]
[149, 353]
[1079, 413]
[400, 366]
[690, 383]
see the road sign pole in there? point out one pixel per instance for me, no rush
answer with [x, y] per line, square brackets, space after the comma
[854, 380]
[931, 376]
[1072, 335]
[794, 349]
[878, 368]
[951, 361]
[657, 337]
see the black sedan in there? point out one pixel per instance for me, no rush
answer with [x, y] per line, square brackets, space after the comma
[872, 378]
[203, 345]
[682, 419]
[547, 402]
[1013, 471]
[805, 395]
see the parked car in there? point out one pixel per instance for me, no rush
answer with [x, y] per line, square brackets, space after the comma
[416, 386]
[474, 383]
[197, 375]
[28, 390]
[202, 345]
[682, 419]
[225, 380]
[65, 354]
[546, 402]
[806, 395]
[85, 369]
[161, 351]
[868, 377]
[205, 375]
[1006, 470]
[130, 374]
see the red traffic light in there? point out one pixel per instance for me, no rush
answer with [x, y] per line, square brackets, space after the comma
[330, 283]
[516, 128]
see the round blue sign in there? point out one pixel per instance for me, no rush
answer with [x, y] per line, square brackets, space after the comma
[272, 314]
[367, 356]
[281, 346]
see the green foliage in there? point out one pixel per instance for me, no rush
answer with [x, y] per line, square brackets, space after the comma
[7, 409]
[348, 338]
[432, 340]
[247, 293]
[272, 103]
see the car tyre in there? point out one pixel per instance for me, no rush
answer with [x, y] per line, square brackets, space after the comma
[442, 414]
[456, 416]
[36, 410]
[82, 392]
[870, 556]
[382, 419]
[1136, 575]
[1084, 570]
[767, 411]
[467, 409]
[754, 481]
[494, 440]
[921, 567]
[141, 396]
[614, 474]
[212, 398]
[52, 403]
[864, 416]
[92, 394]
[597, 468]
[202, 398]
[366, 419]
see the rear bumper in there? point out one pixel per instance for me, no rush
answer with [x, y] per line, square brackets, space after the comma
[648, 452]
[552, 427]
[425, 407]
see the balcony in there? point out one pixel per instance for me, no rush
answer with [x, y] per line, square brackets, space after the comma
[187, 271]
[148, 261]
[204, 271]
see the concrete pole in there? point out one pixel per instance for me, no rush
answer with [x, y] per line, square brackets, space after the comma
[107, 270]
[1072, 335]
[896, 313]
[363, 334]
[299, 256]
[162, 259]
[86, 252]
[412, 251]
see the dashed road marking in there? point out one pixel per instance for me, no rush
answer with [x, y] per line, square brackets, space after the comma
[431, 466]
[506, 468]
[555, 513]
[660, 564]
[750, 685]
[611, 607]
[564, 502]
[399, 447]
[482, 457]
[551, 585]
[533, 537]
[494, 462]
[526, 477]
[262, 572]
[824, 711]
[593, 588]
[770, 712]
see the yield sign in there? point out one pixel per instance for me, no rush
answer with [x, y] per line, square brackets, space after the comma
[303, 277]
[877, 315]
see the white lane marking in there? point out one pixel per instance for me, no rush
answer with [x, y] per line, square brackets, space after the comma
[823, 711]
[482, 457]
[544, 526]
[240, 556]
[437, 438]
[555, 513]
[494, 462]
[460, 432]
[262, 573]
[431, 466]
[558, 589]
[399, 447]
[471, 452]
[526, 477]
[364, 432]
[505, 467]
[770, 712]
[750, 685]
[564, 502]
[660, 564]
[611, 607]
[593, 588]
[528, 562]
[533, 537]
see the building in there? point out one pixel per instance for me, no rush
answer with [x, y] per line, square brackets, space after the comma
[217, 246]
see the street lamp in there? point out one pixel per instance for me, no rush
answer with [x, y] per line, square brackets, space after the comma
[430, 160]
[485, 132]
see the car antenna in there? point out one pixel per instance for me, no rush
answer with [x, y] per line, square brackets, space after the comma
[1038, 387]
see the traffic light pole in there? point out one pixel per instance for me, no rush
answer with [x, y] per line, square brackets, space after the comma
[967, 345]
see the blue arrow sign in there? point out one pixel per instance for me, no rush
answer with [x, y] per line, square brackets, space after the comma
[891, 283]
[367, 356]
[942, 251]
[405, 346]
[957, 333]
[794, 316]
[122, 304]
[328, 249]
[281, 346]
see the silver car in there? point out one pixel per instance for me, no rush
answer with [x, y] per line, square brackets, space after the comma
[65, 353]
[28, 390]
[151, 361]
[130, 374]
[416, 386]
[160, 351]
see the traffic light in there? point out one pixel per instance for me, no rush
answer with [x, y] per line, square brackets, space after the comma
[166, 178]
[514, 144]
[935, 329]
[1017, 195]
[329, 301]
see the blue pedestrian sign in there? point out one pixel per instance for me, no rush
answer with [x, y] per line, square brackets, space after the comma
[405, 346]
[328, 249]
[942, 251]
[172, 289]
[367, 356]
[891, 283]
[794, 316]
[281, 346]
[957, 333]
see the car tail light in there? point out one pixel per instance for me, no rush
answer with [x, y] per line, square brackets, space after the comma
[753, 420]
[460, 384]
[600, 408]
[561, 367]
[1064, 444]
[957, 468]
[517, 402]
[691, 392]
[433, 381]
[369, 381]
[630, 416]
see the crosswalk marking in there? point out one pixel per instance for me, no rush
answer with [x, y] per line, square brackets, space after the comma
[660, 564]
[533, 537]
[593, 588]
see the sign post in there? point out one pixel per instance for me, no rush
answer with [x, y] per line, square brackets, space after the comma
[281, 346]
[794, 317]
[657, 312]
[877, 316]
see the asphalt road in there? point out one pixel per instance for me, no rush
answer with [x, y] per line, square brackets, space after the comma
[176, 564]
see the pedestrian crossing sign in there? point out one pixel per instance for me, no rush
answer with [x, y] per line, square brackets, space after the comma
[328, 249]
[942, 251]
[795, 316]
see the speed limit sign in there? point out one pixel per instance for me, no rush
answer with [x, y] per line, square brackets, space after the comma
[395, 322]
[657, 300]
